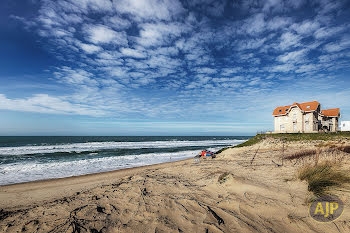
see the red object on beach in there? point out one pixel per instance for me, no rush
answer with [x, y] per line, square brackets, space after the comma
[207, 153]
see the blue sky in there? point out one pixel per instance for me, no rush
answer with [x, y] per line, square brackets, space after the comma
[167, 67]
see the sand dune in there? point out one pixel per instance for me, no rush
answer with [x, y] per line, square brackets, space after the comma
[232, 193]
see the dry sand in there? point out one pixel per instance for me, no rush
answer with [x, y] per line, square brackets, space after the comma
[254, 195]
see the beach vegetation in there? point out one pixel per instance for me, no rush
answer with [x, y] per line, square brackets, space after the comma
[223, 177]
[309, 136]
[345, 149]
[323, 176]
[301, 154]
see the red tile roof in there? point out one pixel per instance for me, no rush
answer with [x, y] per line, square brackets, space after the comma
[307, 107]
[330, 112]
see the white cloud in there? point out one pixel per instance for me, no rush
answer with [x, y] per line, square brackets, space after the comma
[72, 18]
[117, 22]
[43, 103]
[329, 6]
[27, 24]
[283, 68]
[329, 58]
[161, 61]
[307, 27]
[288, 40]
[206, 70]
[117, 71]
[278, 22]
[254, 24]
[93, 5]
[295, 56]
[149, 9]
[255, 81]
[132, 53]
[295, 3]
[60, 33]
[274, 5]
[75, 77]
[344, 43]
[159, 33]
[325, 32]
[101, 34]
[307, 68]
[109, 55]
[90, 48]
[250, 44]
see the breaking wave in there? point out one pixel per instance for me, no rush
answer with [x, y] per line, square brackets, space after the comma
[97, 146]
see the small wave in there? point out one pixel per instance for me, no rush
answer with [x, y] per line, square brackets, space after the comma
[30, 171]
[97, 146]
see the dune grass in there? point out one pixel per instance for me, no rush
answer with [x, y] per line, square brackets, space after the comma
[330, 148]
[345, 149]
[223, 177]
[301, 154]
[323, 176]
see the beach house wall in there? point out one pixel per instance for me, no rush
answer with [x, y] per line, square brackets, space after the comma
[329, 119]
[345, 126]
[305, 118]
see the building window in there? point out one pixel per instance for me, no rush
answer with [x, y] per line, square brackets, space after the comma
[294, 126]
[344, 125]
[294, 116]
[282, 127]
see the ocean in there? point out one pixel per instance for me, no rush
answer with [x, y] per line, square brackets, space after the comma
[24, 159]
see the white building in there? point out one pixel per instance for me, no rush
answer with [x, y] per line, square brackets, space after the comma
[345, 126]
[305, 118]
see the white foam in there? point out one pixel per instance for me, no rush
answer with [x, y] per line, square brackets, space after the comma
[96, 146]
[24, 172]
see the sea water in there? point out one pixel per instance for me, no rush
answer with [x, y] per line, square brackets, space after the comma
[24, 159]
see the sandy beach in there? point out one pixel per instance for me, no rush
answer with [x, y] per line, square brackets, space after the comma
[242, 190]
